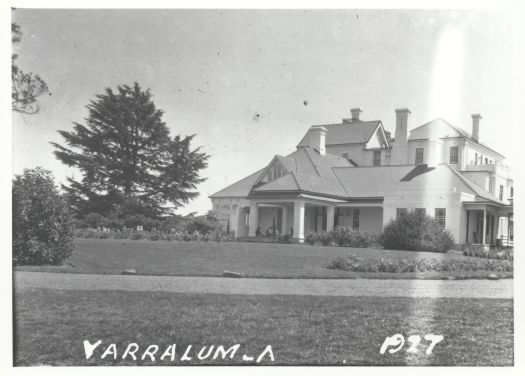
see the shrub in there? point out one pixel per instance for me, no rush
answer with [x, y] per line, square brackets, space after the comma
[416, 232]
[311, 238]
[42, 228]
[340, 235]
[326, 238]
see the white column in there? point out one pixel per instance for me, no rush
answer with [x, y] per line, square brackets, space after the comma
[484, 225]
[235, 225]
[298, 221]
[254, 218]
[284, 223]
[330, 218]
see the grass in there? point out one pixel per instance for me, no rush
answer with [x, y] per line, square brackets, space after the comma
[302, 330]
[112, 256]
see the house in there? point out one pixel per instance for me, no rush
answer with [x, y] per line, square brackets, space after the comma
[355, 174]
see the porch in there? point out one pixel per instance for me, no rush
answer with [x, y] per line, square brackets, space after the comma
[291, 220]
[489, 225]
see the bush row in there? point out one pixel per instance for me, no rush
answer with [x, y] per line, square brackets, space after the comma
[343, 236]
[216, 235]
[499, 253]
[396, 265]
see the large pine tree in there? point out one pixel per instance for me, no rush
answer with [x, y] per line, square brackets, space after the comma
[129, 163]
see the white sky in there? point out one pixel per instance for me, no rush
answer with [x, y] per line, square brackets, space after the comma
[213, 71]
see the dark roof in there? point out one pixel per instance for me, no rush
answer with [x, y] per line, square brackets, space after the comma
[334, 176]
[314, 173]
[355, 132]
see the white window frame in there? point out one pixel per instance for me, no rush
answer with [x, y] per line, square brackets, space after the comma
[441, 216]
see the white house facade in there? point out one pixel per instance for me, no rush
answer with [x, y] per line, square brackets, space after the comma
[355, 174]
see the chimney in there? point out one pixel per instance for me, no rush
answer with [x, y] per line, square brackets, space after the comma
[401, 135]
[475, 126]
[400, 145]
[356, 112]
[317, 138]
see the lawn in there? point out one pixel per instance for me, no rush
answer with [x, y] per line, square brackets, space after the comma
[51, 326]
[111, 256]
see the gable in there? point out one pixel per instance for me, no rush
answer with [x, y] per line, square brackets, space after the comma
[274, 171]
[377, 139]
[437, 128]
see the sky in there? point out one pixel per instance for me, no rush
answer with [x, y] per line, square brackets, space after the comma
[250, 83]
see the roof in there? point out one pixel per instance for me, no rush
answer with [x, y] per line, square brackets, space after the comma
[355, 132]
[314, 173]
[241, 188]
[462, 133]
[480, 192]
[334, 176]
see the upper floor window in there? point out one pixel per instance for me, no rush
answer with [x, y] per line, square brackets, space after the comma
[419, 155]
[345, 155]
[454, 154]
[441, 215]
[377, 158]
[501, 193]
[486, 160]
[511, 192]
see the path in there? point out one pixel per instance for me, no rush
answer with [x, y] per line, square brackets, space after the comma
[254, 286]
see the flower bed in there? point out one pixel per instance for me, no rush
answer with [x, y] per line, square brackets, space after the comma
[89, 233]
[343, 237]
[395, 265]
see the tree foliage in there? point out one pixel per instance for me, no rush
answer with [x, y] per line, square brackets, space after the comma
[129, 163]
[25, 87]
[42, 230]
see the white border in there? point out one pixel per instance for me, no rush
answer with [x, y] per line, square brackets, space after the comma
[6, 163]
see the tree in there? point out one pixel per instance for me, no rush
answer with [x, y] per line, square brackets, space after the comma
[42, 230]
[129, 163]
[25, 87]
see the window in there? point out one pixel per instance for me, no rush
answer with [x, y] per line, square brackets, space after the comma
[476, 159]
[419, 155]
[511, 192]
[355, 219]
[421, 211]
[486, 160]
[377, 158]
[440, 216]
[501, 193]
[401, 212]
[491, 184]
[454, 154]
[345, 155]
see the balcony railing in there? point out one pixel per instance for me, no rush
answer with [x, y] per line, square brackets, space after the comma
[491, 167]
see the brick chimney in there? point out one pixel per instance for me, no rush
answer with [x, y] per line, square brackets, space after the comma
[356, 112]
[317, 138]
[475, 126]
